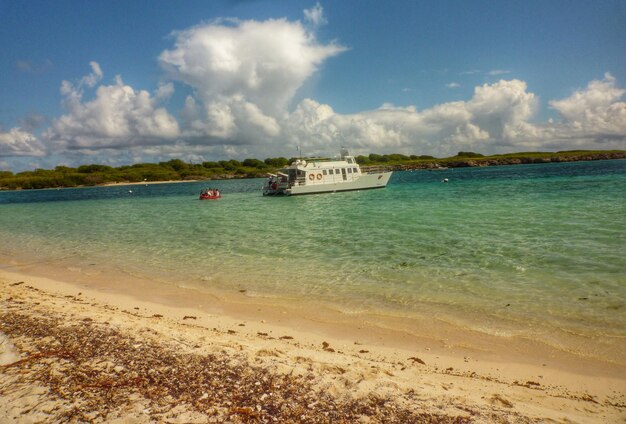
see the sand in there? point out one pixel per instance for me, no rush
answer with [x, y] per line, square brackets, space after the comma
[87, 353]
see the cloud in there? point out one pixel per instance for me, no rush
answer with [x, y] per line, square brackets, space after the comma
[117, 116]
[497, 72]
[596, 109]
[29, 67]
[243, 77]
[245, 73]
[502, 107]
[315, 16]
[32, 122]
[17, 142]
[164, 91]
[496, 119]
[495, 114]
[94, 77]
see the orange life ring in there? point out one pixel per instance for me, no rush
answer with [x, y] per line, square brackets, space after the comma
[311, 177]
[319, 176]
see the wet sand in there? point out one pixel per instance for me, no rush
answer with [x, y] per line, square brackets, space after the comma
[97, 352]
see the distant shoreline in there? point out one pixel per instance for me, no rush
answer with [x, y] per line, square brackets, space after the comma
[435, 165]
[390, 163]
[503, 161]
[117, 184]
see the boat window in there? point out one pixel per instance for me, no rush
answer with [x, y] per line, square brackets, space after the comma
[350, 160]
[349, 170]
[330, 172]
[354, 170]
[324, 172]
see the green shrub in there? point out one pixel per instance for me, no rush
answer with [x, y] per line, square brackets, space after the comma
[469, 155]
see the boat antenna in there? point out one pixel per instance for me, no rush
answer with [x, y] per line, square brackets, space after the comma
[300, 151]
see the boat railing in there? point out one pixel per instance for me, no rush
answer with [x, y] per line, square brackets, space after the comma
[300, 181]
[318, 159]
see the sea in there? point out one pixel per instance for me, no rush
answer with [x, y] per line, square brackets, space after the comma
[537, 250]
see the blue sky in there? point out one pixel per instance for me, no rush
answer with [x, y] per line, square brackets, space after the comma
[121, 82]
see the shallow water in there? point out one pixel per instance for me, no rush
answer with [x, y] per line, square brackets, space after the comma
[533, 250]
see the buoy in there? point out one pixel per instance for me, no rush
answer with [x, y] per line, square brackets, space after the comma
[445, 180]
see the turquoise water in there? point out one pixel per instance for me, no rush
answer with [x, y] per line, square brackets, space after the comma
[537, 250]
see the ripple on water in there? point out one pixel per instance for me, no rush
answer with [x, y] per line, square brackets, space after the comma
[538, 238]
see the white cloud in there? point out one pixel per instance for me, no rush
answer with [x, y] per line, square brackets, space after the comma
[245, 73]
[496, 114]
[315, 16]
[164, 92]
[596, 109]
[496, 119]
[220, 121]
[17, 142]
[94, 77]
[496, 72]
[244, 77]
[501, 107]
[117, 116]
[32, 122]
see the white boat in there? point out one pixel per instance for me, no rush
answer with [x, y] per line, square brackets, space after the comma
[323, 175]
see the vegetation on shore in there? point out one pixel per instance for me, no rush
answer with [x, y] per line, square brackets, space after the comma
[178, 170]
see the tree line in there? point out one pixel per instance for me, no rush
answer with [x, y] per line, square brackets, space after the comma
[177, 170]
[172, 170]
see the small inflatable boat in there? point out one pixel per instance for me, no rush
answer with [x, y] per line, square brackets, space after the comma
[210, 194]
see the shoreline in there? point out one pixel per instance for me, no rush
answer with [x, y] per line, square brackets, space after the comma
[434, 164]
[503, 160]
[336, 356]
[440, 334]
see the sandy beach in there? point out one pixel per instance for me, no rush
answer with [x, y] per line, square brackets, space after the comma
[78, 353]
